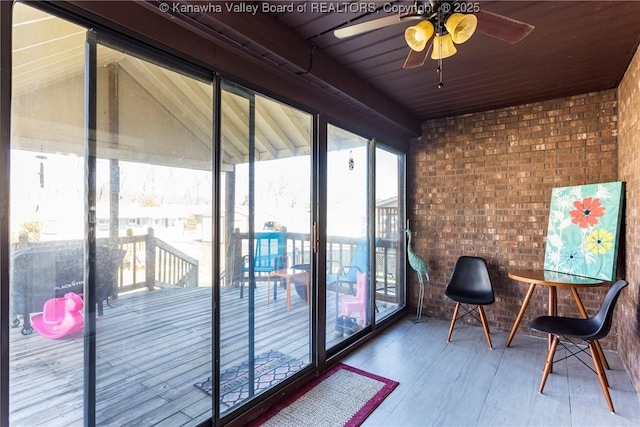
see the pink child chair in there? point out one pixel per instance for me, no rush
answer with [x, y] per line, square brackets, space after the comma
[60, 316]
[350, 305]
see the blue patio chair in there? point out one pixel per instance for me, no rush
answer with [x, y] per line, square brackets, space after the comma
[348, 274]
[269, 255]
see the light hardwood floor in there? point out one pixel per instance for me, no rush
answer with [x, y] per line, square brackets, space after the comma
[464, 383]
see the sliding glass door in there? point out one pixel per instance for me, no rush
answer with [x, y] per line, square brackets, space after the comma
[265, 246]
[164, 235]
[153, 199]
[365, 271]
[111, 198]
[348, 239]
[47, 205]
[389, 216]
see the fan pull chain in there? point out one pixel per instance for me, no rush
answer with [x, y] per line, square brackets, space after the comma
[439, 70]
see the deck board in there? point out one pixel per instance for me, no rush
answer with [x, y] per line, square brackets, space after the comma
[152, 346]
[151, 349]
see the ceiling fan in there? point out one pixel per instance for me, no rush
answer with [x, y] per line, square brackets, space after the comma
[450, 22]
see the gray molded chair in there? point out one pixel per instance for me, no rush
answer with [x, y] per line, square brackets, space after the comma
[589, 330]
[470, 285]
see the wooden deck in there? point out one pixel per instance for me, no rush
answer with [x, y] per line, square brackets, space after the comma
[151, 349]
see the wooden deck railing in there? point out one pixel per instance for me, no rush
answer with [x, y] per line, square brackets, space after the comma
[173, 267]
[149, 262]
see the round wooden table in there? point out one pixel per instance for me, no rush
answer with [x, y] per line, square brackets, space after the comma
[553, 280]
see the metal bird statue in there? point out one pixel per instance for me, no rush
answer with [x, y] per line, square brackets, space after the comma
[420, 266]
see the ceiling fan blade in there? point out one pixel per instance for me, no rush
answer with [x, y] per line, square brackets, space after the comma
[416, 59]
[364, 27]
[502, 28]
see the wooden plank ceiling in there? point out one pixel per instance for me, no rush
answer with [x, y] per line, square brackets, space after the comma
[49, 51]
[576, 47]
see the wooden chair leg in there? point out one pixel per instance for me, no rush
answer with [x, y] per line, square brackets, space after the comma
[601, 355]
[601, 375]
[485, 325]
[549, 363]
[602, 362]
[453, 321]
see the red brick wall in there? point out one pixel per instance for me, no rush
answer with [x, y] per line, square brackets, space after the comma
[628, 312]
[480, 184]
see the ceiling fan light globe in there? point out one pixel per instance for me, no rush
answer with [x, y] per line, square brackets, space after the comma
[418, 35]
[443, 47]
[461, 26]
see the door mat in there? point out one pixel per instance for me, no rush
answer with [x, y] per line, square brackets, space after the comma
[342, 396]
[270, 368]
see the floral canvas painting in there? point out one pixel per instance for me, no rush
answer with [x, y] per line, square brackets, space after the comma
[584, 227]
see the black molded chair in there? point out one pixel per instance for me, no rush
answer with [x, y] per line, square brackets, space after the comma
[589, 330]
[470, 284]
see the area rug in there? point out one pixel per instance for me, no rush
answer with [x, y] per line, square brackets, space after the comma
[270, 368]
[342, 396]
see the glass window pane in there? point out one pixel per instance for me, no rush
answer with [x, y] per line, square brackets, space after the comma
[47, 220]
[389, 294]
[266, 253]
[154, 210]
[348, 271]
